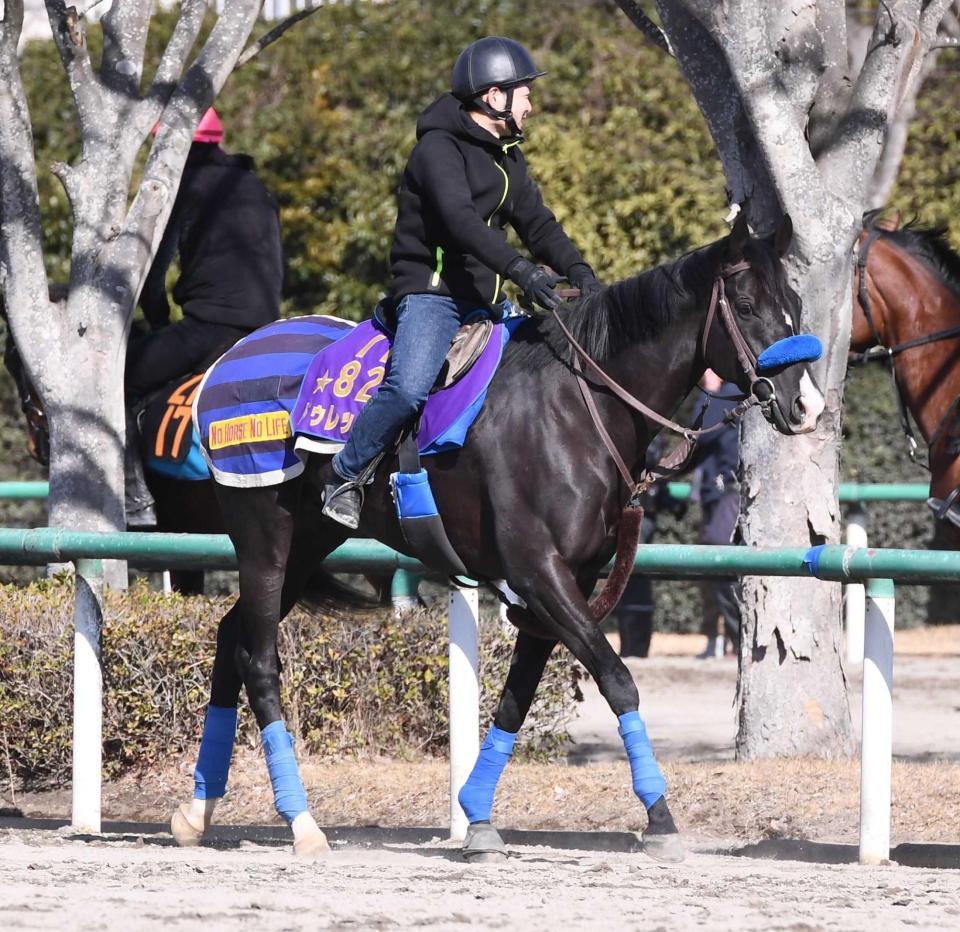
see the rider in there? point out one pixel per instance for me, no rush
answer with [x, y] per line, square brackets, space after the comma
[226, 229]
[465, 179]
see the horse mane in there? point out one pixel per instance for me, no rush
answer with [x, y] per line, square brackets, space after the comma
[929, 244]
[637, 309]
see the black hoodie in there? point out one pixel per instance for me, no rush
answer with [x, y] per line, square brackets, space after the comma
[460, 187]
[225, 227]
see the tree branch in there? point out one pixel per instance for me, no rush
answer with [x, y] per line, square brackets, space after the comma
[945, 42]
[128, 256]
[71, 41]
[934, 12]
[647, 26]
[272, 36]
[23, 277]
[849, 160]
[178, 48]
[125, 27]
[708, 73]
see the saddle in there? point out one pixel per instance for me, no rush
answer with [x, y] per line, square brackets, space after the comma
[470, 341]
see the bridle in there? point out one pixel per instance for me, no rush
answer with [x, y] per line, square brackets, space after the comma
[887, 354]
[677, 459]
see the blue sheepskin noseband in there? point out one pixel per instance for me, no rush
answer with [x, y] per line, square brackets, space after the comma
[804, 347]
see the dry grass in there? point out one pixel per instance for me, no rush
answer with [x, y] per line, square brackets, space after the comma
[813, 799]
[934, 641]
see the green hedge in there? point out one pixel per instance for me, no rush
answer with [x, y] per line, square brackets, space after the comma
[354, 684]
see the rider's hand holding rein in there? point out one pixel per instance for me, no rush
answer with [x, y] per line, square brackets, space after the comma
[535, 282]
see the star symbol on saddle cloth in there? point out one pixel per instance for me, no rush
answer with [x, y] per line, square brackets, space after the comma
[323, 382]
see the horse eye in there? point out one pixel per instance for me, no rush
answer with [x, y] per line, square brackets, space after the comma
[744, 307]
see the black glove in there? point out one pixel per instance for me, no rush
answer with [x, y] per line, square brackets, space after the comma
[535, 283]
[581, 276]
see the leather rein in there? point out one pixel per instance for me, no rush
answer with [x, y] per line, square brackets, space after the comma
[676, 460]
[886, 354]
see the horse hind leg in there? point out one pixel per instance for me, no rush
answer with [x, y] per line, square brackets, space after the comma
[274, 561]
[483, 842]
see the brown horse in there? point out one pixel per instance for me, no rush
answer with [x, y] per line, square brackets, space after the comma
[906, 314]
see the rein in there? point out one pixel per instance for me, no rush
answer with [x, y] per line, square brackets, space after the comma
[675, 462]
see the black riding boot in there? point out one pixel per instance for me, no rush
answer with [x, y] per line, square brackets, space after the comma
[138, 502]
[342, 500]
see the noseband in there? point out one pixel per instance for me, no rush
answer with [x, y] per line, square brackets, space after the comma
[690, 435]
[745, 355]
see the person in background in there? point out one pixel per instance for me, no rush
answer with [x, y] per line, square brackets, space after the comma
[717, 460]
[225, 229]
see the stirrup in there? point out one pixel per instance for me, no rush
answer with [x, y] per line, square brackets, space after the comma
[342, 503]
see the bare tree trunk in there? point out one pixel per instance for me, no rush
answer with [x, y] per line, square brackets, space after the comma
[799, 125]
[791, 688]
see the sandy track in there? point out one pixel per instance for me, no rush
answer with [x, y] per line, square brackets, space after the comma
[50, 882]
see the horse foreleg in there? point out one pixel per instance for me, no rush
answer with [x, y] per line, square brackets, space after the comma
[483, 841]
[555, 599]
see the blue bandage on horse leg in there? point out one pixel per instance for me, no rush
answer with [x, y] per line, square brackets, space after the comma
[648, 782]
[289, 797]
[216, 749]
[476, 797]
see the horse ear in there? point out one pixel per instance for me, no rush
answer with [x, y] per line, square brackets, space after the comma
[890, 223]
[783, 236]
[738, 237]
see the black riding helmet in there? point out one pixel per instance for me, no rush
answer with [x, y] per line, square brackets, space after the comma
[494, 61]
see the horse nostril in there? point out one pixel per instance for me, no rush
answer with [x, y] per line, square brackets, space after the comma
[798, 410]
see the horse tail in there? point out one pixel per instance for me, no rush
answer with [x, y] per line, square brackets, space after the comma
[326, 592]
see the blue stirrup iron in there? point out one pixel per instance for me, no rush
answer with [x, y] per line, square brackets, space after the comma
[803, 347]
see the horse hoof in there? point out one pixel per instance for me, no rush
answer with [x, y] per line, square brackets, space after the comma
[483, 844]
[314, 845]
[185, 833]
[667, 848]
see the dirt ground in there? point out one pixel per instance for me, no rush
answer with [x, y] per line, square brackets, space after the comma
[772, 845]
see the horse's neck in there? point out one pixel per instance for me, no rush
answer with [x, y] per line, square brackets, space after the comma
[915, 303]
[662, 371]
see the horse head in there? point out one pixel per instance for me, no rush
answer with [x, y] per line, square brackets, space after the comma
[751, 334]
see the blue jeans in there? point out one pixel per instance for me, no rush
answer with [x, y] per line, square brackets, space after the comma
[426, 326]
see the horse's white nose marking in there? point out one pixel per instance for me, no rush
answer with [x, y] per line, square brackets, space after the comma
[789, 320]
[812, 402]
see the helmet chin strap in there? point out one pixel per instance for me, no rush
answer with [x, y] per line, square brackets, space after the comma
[506, 115]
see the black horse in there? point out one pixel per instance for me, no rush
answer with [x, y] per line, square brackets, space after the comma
[534, 497]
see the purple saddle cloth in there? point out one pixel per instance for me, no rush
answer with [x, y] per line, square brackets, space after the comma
[297, 385]
[345, 375]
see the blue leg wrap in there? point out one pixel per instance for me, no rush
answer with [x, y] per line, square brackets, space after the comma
[289, 797]
[476, 797]
[648, 782]
[216, 749]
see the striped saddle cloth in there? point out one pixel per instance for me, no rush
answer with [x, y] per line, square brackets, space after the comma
[297, 385]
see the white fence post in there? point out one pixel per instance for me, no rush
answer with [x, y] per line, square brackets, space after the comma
[464, 697]
[854, 594]
[403, 591]
[877, 723]
[87, 696]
